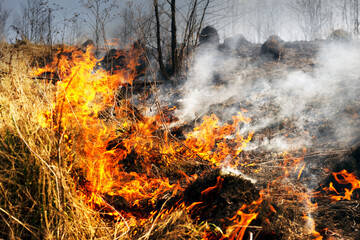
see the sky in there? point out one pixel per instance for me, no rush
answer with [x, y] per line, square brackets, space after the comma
[69, 5]
[15, 5]
[255, 19]
[68, 8]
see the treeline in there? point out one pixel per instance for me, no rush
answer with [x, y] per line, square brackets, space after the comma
[171, 28]
[43, 21]
[292, 19]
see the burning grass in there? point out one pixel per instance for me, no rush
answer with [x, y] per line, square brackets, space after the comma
[80, 161]
[41, 178]
[38, 196]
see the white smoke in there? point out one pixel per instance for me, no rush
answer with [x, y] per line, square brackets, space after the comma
[199, 91]
[321, 103]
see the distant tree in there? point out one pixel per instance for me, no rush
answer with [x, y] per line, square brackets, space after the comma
[31, 23]
[127, 30]
[273, 15]
[174, 50]
[311, 15]
[350, 15]
[35, 22]
[355, 6]
[48, 10]
[190, 24]
[100, 12]
[194, 22]
[76, 32]
[158, 40]
[259, 20]
[4, 16]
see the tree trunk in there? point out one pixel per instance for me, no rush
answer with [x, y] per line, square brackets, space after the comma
[356, 10]
[49, 36]
[158, 40]
[174, 53]
[201, 21]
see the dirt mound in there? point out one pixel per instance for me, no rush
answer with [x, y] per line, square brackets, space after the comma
[274, 46]
[209, 36]
[339, 35]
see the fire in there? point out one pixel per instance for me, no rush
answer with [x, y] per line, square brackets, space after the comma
[293, 163]
[118, 152]
[207, 195]
[114, 147]
[81, 97]
[311, 226]
[344, 178]
[237, 231]
[205, 140]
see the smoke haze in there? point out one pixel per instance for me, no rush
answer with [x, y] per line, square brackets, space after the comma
[320, 104]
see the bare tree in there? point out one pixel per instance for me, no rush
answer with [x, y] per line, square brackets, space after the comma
[158, 40]
[76, 33]
[48, 10]
[127, 30]
[100, 14]
[31, 23]
[311, 15]
[35, 23]
[259, 18]
[350, 14]
[4, 16]
[273, 16]
[174, 50]
[185, 24]
[356, 17]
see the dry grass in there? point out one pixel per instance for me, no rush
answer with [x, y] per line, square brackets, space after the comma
[38, 199]
[38, 196]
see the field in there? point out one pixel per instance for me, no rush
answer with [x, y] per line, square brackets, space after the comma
[248, 146]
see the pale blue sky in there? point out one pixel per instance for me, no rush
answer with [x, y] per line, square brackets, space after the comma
[69, 7]
[15, 5]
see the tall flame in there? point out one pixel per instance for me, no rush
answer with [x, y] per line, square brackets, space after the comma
[115, 148]
[82, 94]
[116, 151]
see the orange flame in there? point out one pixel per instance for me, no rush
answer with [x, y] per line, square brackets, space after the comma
[116, 157]
[237, 230]
[204, 141]
[343, 177]
[311, 225]
[82, 95]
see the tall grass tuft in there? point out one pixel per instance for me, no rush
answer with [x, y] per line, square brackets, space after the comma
[38, 198]
[38, 194]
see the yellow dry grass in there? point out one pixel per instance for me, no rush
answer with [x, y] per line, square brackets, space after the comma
[38, 199]
[38, 196]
